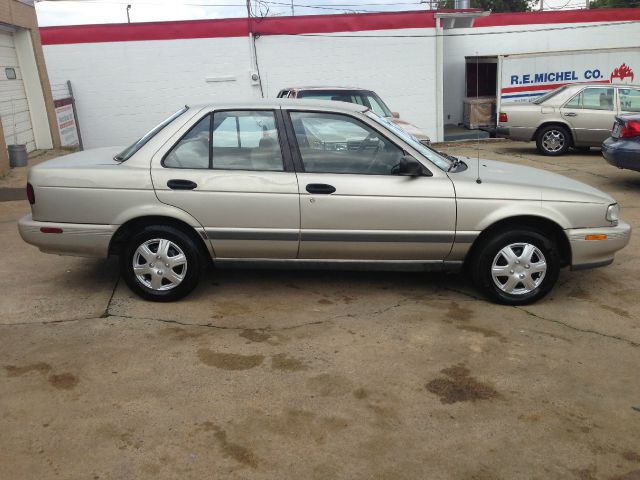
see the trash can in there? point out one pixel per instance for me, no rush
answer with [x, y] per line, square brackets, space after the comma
[17, 155]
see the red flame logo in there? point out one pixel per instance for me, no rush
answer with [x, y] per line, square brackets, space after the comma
[622, 72]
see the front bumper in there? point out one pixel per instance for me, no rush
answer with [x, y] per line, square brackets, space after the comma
[80, 240]
[597, 253]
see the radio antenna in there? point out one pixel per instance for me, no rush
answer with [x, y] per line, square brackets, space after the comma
[478, 180]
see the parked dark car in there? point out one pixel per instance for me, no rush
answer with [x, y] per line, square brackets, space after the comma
[622, 148]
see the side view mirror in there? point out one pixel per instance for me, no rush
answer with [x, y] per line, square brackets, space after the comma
[410, 167]
[395, 114]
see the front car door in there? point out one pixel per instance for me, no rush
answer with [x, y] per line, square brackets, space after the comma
[232, 171]
[353, 203]
[590, 114]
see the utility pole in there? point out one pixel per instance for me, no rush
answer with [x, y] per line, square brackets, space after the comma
[293, 12]
[128, 8]
[541, 5]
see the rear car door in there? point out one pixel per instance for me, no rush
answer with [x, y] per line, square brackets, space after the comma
[353, 203]
[231, 170]
[590, 114]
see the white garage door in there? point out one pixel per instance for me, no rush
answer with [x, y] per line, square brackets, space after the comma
[14, 108]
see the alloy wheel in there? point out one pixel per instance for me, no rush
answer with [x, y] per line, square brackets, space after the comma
[553, 140]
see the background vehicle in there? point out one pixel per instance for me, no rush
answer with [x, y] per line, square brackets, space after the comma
[319, 184]
[577, 115]
[622, 149]
[358, 96]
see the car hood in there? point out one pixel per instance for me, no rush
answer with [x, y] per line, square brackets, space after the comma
[409, 128]
[500, 180]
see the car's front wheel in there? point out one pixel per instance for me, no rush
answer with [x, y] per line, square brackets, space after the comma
[161, 263]
[516, 267]
[553, 140]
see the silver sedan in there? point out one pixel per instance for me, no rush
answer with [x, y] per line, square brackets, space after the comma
[314, 184]
[577, 115]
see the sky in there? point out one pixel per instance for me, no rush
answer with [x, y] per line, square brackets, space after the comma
[73, 12]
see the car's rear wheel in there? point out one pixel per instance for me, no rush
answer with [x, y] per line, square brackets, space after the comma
[553, 140]
[516, 267]
[161, 263]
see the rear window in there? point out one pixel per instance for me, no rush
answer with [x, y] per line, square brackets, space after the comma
[550, 95]
[128, 152]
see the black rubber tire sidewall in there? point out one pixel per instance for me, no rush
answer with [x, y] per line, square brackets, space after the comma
[180, 238]
[563, 150]
[486, 252]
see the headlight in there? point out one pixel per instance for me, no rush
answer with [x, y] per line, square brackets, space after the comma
[613, 212]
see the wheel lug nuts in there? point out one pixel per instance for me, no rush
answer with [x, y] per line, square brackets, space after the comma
[166, 264]
[527, 266]
[510, 271]
[158, 257]
[159, 272]
[521, 275]
[151, 265]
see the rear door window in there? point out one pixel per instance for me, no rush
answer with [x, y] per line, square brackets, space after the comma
[597, 98]
[246, 140]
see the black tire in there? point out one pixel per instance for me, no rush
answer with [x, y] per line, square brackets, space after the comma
[487, 252]
[178, 242]
[582, 149]
[553, 140]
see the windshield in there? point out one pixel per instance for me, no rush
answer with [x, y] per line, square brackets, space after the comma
[377, 105]
[549, 95]
[435, 157]
[138, 144]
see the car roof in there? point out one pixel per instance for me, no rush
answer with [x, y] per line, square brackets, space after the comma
[327, 88]
[600, 84]
[286, 103]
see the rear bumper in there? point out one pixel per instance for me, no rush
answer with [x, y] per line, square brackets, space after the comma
[76, 239]
[622, 153]
[597, 253]
[523, 134]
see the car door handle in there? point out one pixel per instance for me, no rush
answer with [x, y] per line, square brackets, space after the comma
[570, 114]
[321, 188]
[179, 184]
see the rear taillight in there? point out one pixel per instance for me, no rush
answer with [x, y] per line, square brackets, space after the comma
[503, 118]
[31, 196]
[631, 128]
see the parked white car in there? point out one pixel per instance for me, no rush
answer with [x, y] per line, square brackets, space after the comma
[313, 184]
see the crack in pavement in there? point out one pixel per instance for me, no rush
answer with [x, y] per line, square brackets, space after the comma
[558, 322]
[106, 314]
[582, 330]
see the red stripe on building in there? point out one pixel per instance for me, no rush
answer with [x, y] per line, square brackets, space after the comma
[560, 16]
[234, 27]
[309, 24]
[550, 86]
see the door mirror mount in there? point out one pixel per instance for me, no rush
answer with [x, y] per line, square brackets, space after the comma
[410, 167]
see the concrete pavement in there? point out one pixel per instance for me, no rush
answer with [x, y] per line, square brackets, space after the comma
[321, 375]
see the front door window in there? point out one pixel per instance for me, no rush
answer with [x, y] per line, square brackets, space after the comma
[333, 143]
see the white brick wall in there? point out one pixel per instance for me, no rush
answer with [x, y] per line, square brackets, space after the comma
[123, 89]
